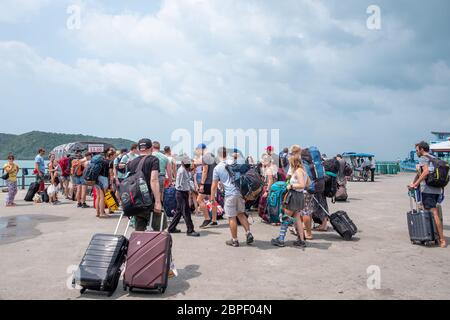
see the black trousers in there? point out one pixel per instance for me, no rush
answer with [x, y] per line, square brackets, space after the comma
[372, 174]
[183, 209]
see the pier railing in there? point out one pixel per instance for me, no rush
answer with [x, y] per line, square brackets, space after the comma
[24, 178]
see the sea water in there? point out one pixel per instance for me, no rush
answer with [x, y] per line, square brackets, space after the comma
[29, 164]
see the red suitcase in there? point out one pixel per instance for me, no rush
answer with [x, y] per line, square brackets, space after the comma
[148, 260]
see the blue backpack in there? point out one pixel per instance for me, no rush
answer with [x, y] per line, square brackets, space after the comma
[274, 206]
[170, 201]
[312, 162]
[92, 172]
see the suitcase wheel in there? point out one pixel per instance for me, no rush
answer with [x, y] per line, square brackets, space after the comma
[162, 290]
[83, 290]
[110, 293]
[125, 287]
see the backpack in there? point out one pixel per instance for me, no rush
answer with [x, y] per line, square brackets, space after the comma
[274, 204]
[92, 172]
[348, 171]
[64, 163]
[76, 170]
[247, 180]
[331, 166]
[331, 186]
[312, 162]
[134, 192]
[170, 201]
[341, 193]
[439, 176]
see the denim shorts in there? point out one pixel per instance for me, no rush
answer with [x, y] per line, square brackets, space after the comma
[103, 182]
[79, 181]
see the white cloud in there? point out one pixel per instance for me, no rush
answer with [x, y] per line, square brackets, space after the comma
[13, 11]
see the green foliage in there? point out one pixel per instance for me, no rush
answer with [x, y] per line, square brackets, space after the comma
[25, 146]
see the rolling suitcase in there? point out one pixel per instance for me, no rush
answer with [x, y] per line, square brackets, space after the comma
[32, 190]
[421, 225]
[341, 223]
[100, 267]
[148, 260]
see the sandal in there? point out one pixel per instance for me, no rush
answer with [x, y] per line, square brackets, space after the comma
[103, 216]
[443, 244]
[321, 230]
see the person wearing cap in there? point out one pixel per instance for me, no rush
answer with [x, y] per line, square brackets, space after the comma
[151, 171]
[270, 153]
[182, 185]
[208, 165]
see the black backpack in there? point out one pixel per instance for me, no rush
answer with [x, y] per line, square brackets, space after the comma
[247, 180]
[440, 176]
[134, 192]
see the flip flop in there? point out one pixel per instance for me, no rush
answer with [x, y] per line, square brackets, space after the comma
[321, 230]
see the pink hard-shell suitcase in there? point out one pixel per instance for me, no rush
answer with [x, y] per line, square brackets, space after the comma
[148, 260]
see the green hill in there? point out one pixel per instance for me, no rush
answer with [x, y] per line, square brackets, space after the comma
[25, 146]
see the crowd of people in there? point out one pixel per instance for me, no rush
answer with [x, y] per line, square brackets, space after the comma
[198, 181]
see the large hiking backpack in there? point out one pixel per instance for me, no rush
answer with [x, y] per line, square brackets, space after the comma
[247, 180]
[312, 162]
[134, 192]
[274, 204]
[76, 168]
[439, 177]
[92, 172]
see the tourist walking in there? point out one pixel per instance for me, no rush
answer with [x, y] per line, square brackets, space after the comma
[182, 186]
[39, 169]
[208, 164]
[234, 204]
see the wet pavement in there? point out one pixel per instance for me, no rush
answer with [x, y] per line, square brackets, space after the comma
[22, 227]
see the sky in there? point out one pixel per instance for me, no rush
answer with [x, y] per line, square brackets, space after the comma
[312, 69]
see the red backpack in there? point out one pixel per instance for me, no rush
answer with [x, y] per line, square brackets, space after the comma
[64, 164]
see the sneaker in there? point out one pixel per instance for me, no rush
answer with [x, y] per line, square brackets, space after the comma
[205, 224]
[79, 205]
[212, 224]
[277, 242]
[300, 243]
[175, 231]
[250, 238]
[233, 243]
[193, 234]
[84, 206]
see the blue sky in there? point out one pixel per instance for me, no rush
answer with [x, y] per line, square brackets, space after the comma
[309, 68]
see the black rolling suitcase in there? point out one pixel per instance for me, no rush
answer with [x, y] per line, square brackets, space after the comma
[101, 265]
[341, 223]
[421, 225]
[32, 189]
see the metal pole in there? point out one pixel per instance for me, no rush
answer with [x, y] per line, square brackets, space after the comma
[23, 180]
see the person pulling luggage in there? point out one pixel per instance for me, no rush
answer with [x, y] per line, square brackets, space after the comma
[431, 195]
[182, 186]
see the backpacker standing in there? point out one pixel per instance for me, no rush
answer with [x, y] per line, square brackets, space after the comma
[150, 170]
[39, 169]
[234, 204]
[431, 195]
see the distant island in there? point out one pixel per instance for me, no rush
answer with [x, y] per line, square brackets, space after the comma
[25, 146]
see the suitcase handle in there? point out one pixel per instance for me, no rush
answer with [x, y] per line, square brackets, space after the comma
[118, 224]
[413, 194]
[162, 220]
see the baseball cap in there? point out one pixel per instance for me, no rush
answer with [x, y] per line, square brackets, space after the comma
[145, 144]
[269, 148]
[185, 160]
[201, 146]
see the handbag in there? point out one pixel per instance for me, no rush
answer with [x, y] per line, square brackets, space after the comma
[5, 176]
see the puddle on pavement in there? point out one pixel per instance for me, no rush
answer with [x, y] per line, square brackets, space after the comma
[22, 227]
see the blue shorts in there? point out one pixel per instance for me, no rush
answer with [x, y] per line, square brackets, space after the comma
[430, 200]
[103, 182]
[78, 181]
